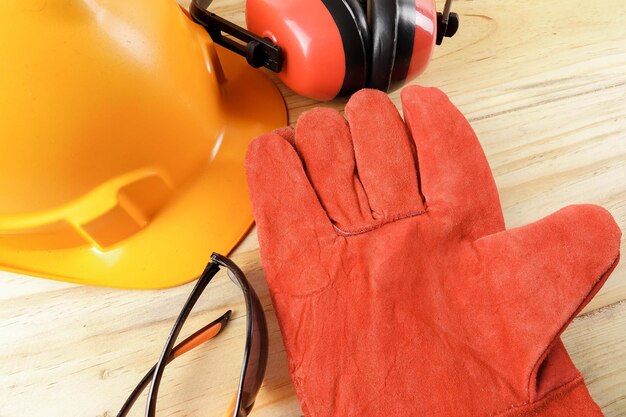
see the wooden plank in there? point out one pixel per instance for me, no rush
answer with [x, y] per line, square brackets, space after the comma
[596, 342]
[543, 84]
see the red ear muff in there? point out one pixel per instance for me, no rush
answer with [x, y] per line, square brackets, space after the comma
[314, 62]
[323, 46]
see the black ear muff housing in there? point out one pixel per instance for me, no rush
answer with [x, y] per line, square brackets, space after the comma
[405, 42]
[383, 20]
[350, 20]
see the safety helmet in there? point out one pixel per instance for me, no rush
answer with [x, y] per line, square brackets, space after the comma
[123, 134]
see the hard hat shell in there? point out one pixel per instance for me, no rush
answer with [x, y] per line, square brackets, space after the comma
[122, 141]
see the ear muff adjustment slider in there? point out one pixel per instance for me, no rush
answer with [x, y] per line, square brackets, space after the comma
[259, 52]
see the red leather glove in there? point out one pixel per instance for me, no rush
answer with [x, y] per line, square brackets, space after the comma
[397, 288]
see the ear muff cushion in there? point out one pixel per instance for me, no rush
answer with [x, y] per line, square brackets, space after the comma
[359, 9]
[353, 45]
[405, 42]
[382, 17]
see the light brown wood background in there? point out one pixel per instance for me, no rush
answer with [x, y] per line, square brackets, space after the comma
[544, 85]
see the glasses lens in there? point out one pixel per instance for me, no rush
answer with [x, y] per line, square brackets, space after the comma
[256, 351]
[257, 356]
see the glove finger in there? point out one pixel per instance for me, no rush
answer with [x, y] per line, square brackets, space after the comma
[538, 278]
[288, 133]
[324, 144]
[454, 174]
[384, 155]
[287, 212]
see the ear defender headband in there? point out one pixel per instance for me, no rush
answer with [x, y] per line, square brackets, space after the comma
[328, 48]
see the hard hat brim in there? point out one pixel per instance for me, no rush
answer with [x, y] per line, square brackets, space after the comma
[210, 214]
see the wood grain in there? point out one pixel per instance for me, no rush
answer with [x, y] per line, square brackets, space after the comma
[543, 84]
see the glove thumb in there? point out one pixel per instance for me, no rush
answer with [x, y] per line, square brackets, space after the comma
[544, 274]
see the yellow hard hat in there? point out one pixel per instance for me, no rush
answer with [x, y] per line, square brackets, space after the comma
[122, 141]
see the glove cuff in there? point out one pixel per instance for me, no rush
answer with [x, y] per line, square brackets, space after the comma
[572, 399]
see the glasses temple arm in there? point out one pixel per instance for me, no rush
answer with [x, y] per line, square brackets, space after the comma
[201, 285]
[203, 335]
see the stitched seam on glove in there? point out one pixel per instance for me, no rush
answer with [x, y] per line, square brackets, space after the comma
[378, 224]
[548, 396]
[543, 356]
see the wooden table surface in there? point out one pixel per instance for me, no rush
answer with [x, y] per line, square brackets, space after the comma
[543, 84]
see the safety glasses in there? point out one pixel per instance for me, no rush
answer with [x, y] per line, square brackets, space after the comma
[255, 355]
